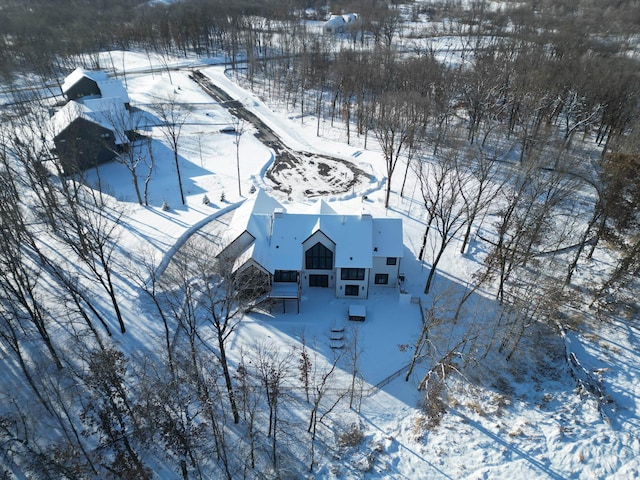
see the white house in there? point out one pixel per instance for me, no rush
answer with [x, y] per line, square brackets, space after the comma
[338, 23]
[316, 248]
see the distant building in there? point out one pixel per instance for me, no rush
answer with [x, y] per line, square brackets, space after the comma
[94, 126]
[319, 248]
[82, 84]
[339, 23]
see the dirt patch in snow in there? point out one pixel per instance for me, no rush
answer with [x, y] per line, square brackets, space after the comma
[314, 175]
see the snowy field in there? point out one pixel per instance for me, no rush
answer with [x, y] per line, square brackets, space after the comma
[519, 420]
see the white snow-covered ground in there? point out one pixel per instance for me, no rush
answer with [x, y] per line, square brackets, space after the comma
[517, 420]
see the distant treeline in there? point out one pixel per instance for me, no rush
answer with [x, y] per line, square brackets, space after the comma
[39, 36]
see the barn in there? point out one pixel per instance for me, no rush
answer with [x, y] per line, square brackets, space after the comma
[90, 133]
[94, 125]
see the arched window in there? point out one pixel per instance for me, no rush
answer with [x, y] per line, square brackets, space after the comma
[319, 257]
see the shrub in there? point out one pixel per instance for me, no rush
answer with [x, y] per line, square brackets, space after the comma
[352, 437]
[433, 405]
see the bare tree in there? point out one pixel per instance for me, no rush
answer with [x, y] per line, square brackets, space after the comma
[354, 352]
[274, 369]
[178, 297]
[620, 206]
[77, 214]
[249, 399]
[395, 127]
[322, 382]
[434, 178]
[112, 413]
[168, 401]
[150, 162]
[430, 319]
[525, 223]
[213, 297]
[390, 24]
[226, 297]
[127, 124]
[305, 367]
[446, 205]
[19, 275]
[24, 156]
[173, 118]
[480, 192]
[91, 228]
[239, 125]
[147, 277]
[13, 338]
[434, 384]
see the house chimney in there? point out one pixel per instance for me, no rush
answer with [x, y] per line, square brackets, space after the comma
[277, 213]
[365, 214]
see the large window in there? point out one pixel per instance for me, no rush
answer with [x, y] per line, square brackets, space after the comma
[319, 257]
[382, 278]
[391, 260]
[285, 276]
[351, 290]
[319, 281]
[252, 283]
[352, 273]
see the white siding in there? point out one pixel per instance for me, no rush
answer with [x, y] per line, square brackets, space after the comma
[306, 245]
[363, 286]
[380, 266]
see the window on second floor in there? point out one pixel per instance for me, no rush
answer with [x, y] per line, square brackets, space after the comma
[319, 257]
[391, 260]
[285, 276]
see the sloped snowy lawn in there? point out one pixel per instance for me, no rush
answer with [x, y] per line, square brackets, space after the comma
[379, 338]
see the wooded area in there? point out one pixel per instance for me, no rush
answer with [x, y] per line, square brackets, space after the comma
[539, 105]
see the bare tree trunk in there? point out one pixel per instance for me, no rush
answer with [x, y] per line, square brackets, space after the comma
[227, 379]
[147, 179]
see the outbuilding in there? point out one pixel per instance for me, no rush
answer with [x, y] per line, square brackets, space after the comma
[90, 133]
[94, 126]
[82, 84]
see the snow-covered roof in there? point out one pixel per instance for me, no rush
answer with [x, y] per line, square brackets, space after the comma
[107, 112]
[387, 237]
[109, 88]
[335, 21]
[320, 207]
[247, 216]
[78, 74]
[279, 235]
[113, 89]
[334, 24]
[245, 257]
[350, 17]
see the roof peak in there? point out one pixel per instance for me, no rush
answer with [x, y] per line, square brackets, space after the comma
[320, 207]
